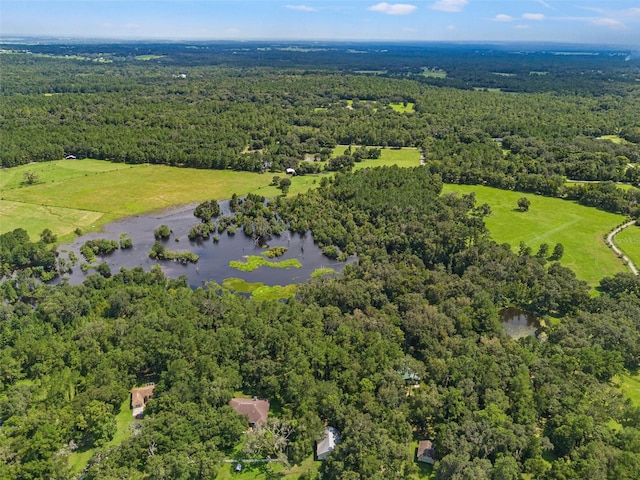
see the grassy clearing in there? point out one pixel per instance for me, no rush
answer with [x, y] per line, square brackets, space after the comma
[402, 108]
[148, 57]
[263, 471]
[630, 385]
[484, 89]
[613, 138]
[402, 157]
[370, 72]
[433, 72]
[550, 220]
[628, 241]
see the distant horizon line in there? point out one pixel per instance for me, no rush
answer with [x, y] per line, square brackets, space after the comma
[17, 39]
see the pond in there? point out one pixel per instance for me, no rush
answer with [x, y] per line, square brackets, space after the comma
[213, 264]
[518, 323]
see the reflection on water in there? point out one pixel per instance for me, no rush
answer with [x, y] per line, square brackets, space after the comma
[213, 264]
[518, 323]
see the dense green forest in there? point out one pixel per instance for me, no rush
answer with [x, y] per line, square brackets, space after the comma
[421, 301]
[423, 298]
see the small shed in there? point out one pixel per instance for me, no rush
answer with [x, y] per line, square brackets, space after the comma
[290, 171]
[329, 441]
[70, 157]
[426, 453]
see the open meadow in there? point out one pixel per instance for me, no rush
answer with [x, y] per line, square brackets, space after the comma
[550, 220]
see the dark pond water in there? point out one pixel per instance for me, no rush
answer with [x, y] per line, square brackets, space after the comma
[213, 264]
[518, 323]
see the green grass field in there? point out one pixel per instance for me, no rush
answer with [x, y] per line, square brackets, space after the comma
[580, 229]
[628, 241]
[433, 72]
[402, 157]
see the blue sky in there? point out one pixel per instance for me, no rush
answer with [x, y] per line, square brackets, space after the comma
[586, 21]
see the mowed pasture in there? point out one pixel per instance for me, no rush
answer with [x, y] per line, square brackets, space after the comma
[579, 229]
[87, 193]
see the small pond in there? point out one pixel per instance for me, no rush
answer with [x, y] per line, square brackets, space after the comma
[518, 323]
[213, 264]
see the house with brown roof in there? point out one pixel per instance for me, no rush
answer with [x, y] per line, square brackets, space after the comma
[255, 409]
[426, 453]
[139, 398]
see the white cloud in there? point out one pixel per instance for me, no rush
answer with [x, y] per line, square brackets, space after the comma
[533, 16]
[545, 4]
[301, 8]
[608, 22]
[395, 9]
[450, 5]
[503, 18]
[633, 12]
[451, 27]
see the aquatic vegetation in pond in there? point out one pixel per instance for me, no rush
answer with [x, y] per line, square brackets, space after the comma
[254, 262]
[322, 272]
[274, 252]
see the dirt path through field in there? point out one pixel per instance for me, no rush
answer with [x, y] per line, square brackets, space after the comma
[619, 252]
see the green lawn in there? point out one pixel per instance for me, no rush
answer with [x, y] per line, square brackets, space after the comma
[550, 220]
[629, 242]
[402, 108]
[263, 471]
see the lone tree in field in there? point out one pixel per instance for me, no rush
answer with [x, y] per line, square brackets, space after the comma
[543, 251]
[558, 252]
[523, 204]
[29, 178]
